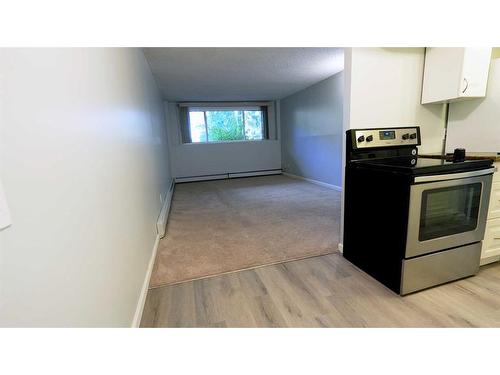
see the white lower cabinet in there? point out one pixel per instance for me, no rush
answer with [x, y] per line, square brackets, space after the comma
[490, 251]
[491, 242]
[494, 209]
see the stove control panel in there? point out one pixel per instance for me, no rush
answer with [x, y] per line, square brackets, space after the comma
[385, 137]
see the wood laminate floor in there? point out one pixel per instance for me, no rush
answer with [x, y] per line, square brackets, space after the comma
[324, 291]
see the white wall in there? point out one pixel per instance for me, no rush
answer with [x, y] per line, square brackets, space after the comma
[475, 123]
[83, 156]
[212, 158]
[311, 128]
[383, 88]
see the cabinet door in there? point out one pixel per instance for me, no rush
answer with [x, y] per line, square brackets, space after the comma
[491, 242]
[452, 74]
[494, 209]
[476, 65]
[442, 74]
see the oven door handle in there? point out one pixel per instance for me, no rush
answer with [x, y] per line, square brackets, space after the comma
[454, 176]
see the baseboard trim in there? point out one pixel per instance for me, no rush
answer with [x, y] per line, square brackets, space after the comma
[316, 182]
[341, 248]
[136, 322]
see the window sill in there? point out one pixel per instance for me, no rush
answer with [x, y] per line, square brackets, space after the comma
[227, 142]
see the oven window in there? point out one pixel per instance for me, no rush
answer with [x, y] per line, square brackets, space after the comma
[448, 211]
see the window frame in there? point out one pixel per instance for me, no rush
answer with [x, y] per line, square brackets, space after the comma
[201, 107]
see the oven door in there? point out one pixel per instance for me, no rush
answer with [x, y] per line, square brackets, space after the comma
[447, 211]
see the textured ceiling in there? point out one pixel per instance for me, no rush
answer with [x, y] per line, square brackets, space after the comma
[227, 74]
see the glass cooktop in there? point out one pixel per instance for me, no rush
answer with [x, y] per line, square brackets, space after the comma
[421, 165]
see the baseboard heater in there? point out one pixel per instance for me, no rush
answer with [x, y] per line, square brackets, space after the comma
[225, 176]
[161, 223]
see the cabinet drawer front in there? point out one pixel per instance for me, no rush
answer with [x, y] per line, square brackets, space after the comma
[491, 243]
[494, 209]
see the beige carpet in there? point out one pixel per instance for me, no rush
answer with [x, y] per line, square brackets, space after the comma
[228, 225]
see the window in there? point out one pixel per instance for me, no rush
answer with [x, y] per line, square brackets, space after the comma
[223, 124]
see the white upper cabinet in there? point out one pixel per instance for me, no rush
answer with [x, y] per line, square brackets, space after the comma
[452, 74]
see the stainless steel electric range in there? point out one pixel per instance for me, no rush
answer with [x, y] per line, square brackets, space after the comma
[411, 222]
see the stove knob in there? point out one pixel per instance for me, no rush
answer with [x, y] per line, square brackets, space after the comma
[361, 138]
[413, 136]
[406, 136]
[369, 138]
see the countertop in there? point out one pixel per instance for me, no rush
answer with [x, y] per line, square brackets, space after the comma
[468, 156]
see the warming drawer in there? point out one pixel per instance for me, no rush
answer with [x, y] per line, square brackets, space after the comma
[438, 268]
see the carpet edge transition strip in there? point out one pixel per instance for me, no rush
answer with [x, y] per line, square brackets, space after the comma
[244, 269]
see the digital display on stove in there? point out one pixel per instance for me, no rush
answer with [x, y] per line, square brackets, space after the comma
[387, 134]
